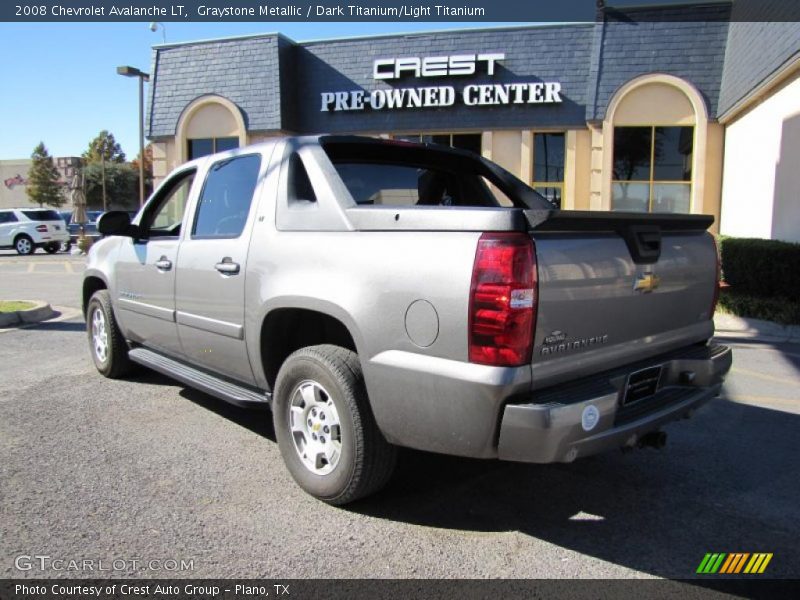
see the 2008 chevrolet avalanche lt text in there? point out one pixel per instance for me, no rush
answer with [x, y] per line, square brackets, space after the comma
[378, 294]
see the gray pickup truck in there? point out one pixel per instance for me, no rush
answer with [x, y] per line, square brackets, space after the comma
[377, 294]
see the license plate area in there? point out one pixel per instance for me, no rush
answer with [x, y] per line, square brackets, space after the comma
[641, 384]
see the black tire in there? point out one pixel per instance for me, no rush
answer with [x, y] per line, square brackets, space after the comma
[366, 461]
[52, 248]
[66, 246]
[24, 245]
[115, 362]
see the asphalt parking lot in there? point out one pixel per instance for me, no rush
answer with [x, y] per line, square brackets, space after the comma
[148, 469]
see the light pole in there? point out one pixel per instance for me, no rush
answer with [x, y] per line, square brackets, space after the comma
[154, 27]
[134, 72]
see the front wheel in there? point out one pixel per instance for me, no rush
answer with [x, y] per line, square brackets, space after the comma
[326, 432]
[106, 342]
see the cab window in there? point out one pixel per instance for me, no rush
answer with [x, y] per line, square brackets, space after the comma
[226, 197]
[166, 218]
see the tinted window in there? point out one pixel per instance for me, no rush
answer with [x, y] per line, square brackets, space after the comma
[226, 197]
[8, 217]
[226, 143]
[200, 147]
[299, 183]
[672, 154]
[632, 148]
[408, 185]
[166, 220]
[42, 215]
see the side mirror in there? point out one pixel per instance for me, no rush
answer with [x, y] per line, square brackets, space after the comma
[114, 222]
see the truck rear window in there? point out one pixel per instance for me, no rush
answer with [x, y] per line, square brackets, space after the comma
[407, 185]
[397, 173]
[42, 215]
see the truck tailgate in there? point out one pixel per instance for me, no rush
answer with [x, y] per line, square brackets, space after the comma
[614, 289]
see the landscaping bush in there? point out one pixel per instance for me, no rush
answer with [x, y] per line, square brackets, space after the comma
[762, 268]
[780, 310]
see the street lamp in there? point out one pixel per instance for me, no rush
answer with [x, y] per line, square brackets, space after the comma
[134, 72]
[154, 27]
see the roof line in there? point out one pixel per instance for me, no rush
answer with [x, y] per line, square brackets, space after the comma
[231, 38]
[438, 31]
[661, 5]
[250, 36]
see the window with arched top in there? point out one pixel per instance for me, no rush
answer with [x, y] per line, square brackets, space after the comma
[208, 125]
[658, 125]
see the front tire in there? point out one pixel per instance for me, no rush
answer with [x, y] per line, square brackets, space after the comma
[325, 429]
[106, 343]
[24, 245]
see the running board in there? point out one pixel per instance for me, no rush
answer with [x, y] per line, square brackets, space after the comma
[205, 382]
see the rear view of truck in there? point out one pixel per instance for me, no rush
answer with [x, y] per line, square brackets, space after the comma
[587, 331]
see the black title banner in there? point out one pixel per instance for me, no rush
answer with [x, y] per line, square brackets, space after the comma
[391, 10]
[388, 589]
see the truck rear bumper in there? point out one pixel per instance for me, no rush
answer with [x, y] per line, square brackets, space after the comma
[591, 416]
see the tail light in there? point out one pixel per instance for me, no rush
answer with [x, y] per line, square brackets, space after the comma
[41, 228]
[503, 300]
[715, 297]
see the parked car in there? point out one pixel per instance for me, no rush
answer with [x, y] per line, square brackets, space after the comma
[378, 294]
[89, 228]
[25, 229]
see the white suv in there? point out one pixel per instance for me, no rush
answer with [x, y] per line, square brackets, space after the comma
[25, 229]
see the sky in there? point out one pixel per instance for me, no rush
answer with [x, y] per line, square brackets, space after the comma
[58, 81]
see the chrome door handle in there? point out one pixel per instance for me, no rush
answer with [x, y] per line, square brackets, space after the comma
[227, 267]
[163, 264]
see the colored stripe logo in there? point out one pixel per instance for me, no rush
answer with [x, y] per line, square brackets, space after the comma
[734, 563]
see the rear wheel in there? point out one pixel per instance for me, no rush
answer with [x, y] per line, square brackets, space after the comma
[24, 245]
[52, 248]
[108, 346]
[326, 432]
[66, 246]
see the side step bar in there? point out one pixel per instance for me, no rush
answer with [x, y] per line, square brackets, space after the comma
[205, 382]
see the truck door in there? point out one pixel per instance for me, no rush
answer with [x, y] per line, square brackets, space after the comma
[210, 284]
[145, 268]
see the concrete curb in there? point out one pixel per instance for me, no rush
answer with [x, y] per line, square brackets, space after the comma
[732, 327]
[40, 312]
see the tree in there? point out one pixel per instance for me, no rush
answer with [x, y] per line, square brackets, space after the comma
[122, 186]
[43, 179]
[104, 146]
[148, 168]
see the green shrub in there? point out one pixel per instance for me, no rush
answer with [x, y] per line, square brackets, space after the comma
[762, 268]
[780, 310]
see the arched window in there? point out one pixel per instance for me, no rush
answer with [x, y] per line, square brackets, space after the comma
[655, 130]
[209, 124]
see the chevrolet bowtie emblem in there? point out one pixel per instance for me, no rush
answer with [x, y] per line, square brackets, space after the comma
[646, 282]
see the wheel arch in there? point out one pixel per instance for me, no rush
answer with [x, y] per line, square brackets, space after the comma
[290, 326]
[92, 282]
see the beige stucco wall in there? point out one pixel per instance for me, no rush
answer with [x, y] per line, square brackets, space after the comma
[655, 104]
[761, 183]
[12, 194]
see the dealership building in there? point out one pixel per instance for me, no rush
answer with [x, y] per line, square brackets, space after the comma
[663, 109]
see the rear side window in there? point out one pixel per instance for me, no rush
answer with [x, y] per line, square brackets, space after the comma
[42, 215]
[226, 197]
[8, 217]
[386, 184]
